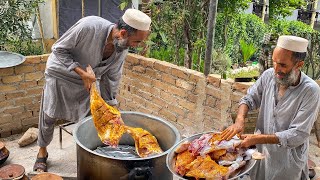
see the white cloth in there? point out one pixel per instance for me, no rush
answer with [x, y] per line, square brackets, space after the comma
[290, 119]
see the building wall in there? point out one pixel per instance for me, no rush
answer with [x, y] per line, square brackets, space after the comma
[192, 102]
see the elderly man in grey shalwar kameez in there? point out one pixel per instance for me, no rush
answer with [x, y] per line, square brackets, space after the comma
[95, 42]
[289, 102]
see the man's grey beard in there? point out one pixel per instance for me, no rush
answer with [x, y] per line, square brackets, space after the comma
[120, 45]
[289, 79]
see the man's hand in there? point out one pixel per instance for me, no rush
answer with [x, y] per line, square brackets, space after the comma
[249, 140]
[88, 77]
[232, 130]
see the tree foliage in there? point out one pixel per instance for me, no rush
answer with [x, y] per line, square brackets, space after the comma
[282, 8]
[15, 34]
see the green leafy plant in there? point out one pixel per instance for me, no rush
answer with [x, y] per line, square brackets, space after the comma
[15, 34]
[247, 50]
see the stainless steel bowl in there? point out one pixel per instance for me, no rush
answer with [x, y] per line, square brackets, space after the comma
[171, 158]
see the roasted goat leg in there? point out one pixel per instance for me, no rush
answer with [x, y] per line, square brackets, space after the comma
[106, 118]
[146, 144]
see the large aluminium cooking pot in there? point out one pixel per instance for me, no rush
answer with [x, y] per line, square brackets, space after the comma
[171, 158]
[96, 166]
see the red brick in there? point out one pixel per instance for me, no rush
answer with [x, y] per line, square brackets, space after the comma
[147, 62]
[133, 59]
[144, 95]
[168, 78]
[196, 76]
[5, 118]
[192, 98]
[180, 72]
[138, 100]
[23, 69]
[34, 91]
[33, 59]
[140, 77]
[44, 57]
[14, 110]
[13, 95]
[177, 91]
[214, 79]
[41, 82]
[176, 109]
[26, 85]
[6, 103]
[12, 79]
[162, 66]
[186, 104]
[139, 69]
[242, 87]
[40, 67]
[153, 107]
[210, 101]
[160, 102]
[184, 84]
[153, 73]
[22, 115]
[2, 97]
[24, 100]
[213, 91]
[168, 97]
[30, 121]
[6, 71]
[168, 115]
[212, 112]
[34, 76]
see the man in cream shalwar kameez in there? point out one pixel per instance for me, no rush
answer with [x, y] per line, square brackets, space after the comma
[289, 102]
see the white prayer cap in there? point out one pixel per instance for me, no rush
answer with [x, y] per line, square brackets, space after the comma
[293, 43]
[137, 19]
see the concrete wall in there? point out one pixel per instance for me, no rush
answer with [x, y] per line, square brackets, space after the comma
[192, 102]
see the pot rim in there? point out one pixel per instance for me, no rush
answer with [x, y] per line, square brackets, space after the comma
[172, 153]
[174, 129]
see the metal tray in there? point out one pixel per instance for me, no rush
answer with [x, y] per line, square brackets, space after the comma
[171, 158]
[10, 59]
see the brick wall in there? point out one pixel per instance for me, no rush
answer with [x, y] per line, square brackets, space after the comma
[192, 102]
[20, 94]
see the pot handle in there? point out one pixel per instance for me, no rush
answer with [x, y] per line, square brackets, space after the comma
[140, 173]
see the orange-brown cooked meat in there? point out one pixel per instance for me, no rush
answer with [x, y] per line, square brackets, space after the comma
[145, 143]
[205, 167]
[106, 118]
[183, 159]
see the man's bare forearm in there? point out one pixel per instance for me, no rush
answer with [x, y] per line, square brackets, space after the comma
[242, 114]
[267, 139]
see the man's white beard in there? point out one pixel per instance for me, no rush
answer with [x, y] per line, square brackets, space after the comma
[289, 79]
[120, 45]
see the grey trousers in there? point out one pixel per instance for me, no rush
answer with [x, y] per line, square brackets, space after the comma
[46, 129]
[45, 126]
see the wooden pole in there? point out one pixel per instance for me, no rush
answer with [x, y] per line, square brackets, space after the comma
[264, 7]
[82, 8]
[314, 13]
[210, 35]
[40, 28]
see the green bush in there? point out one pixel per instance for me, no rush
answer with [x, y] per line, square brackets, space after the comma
[248, 27]
[15, 34]
[297, 28]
